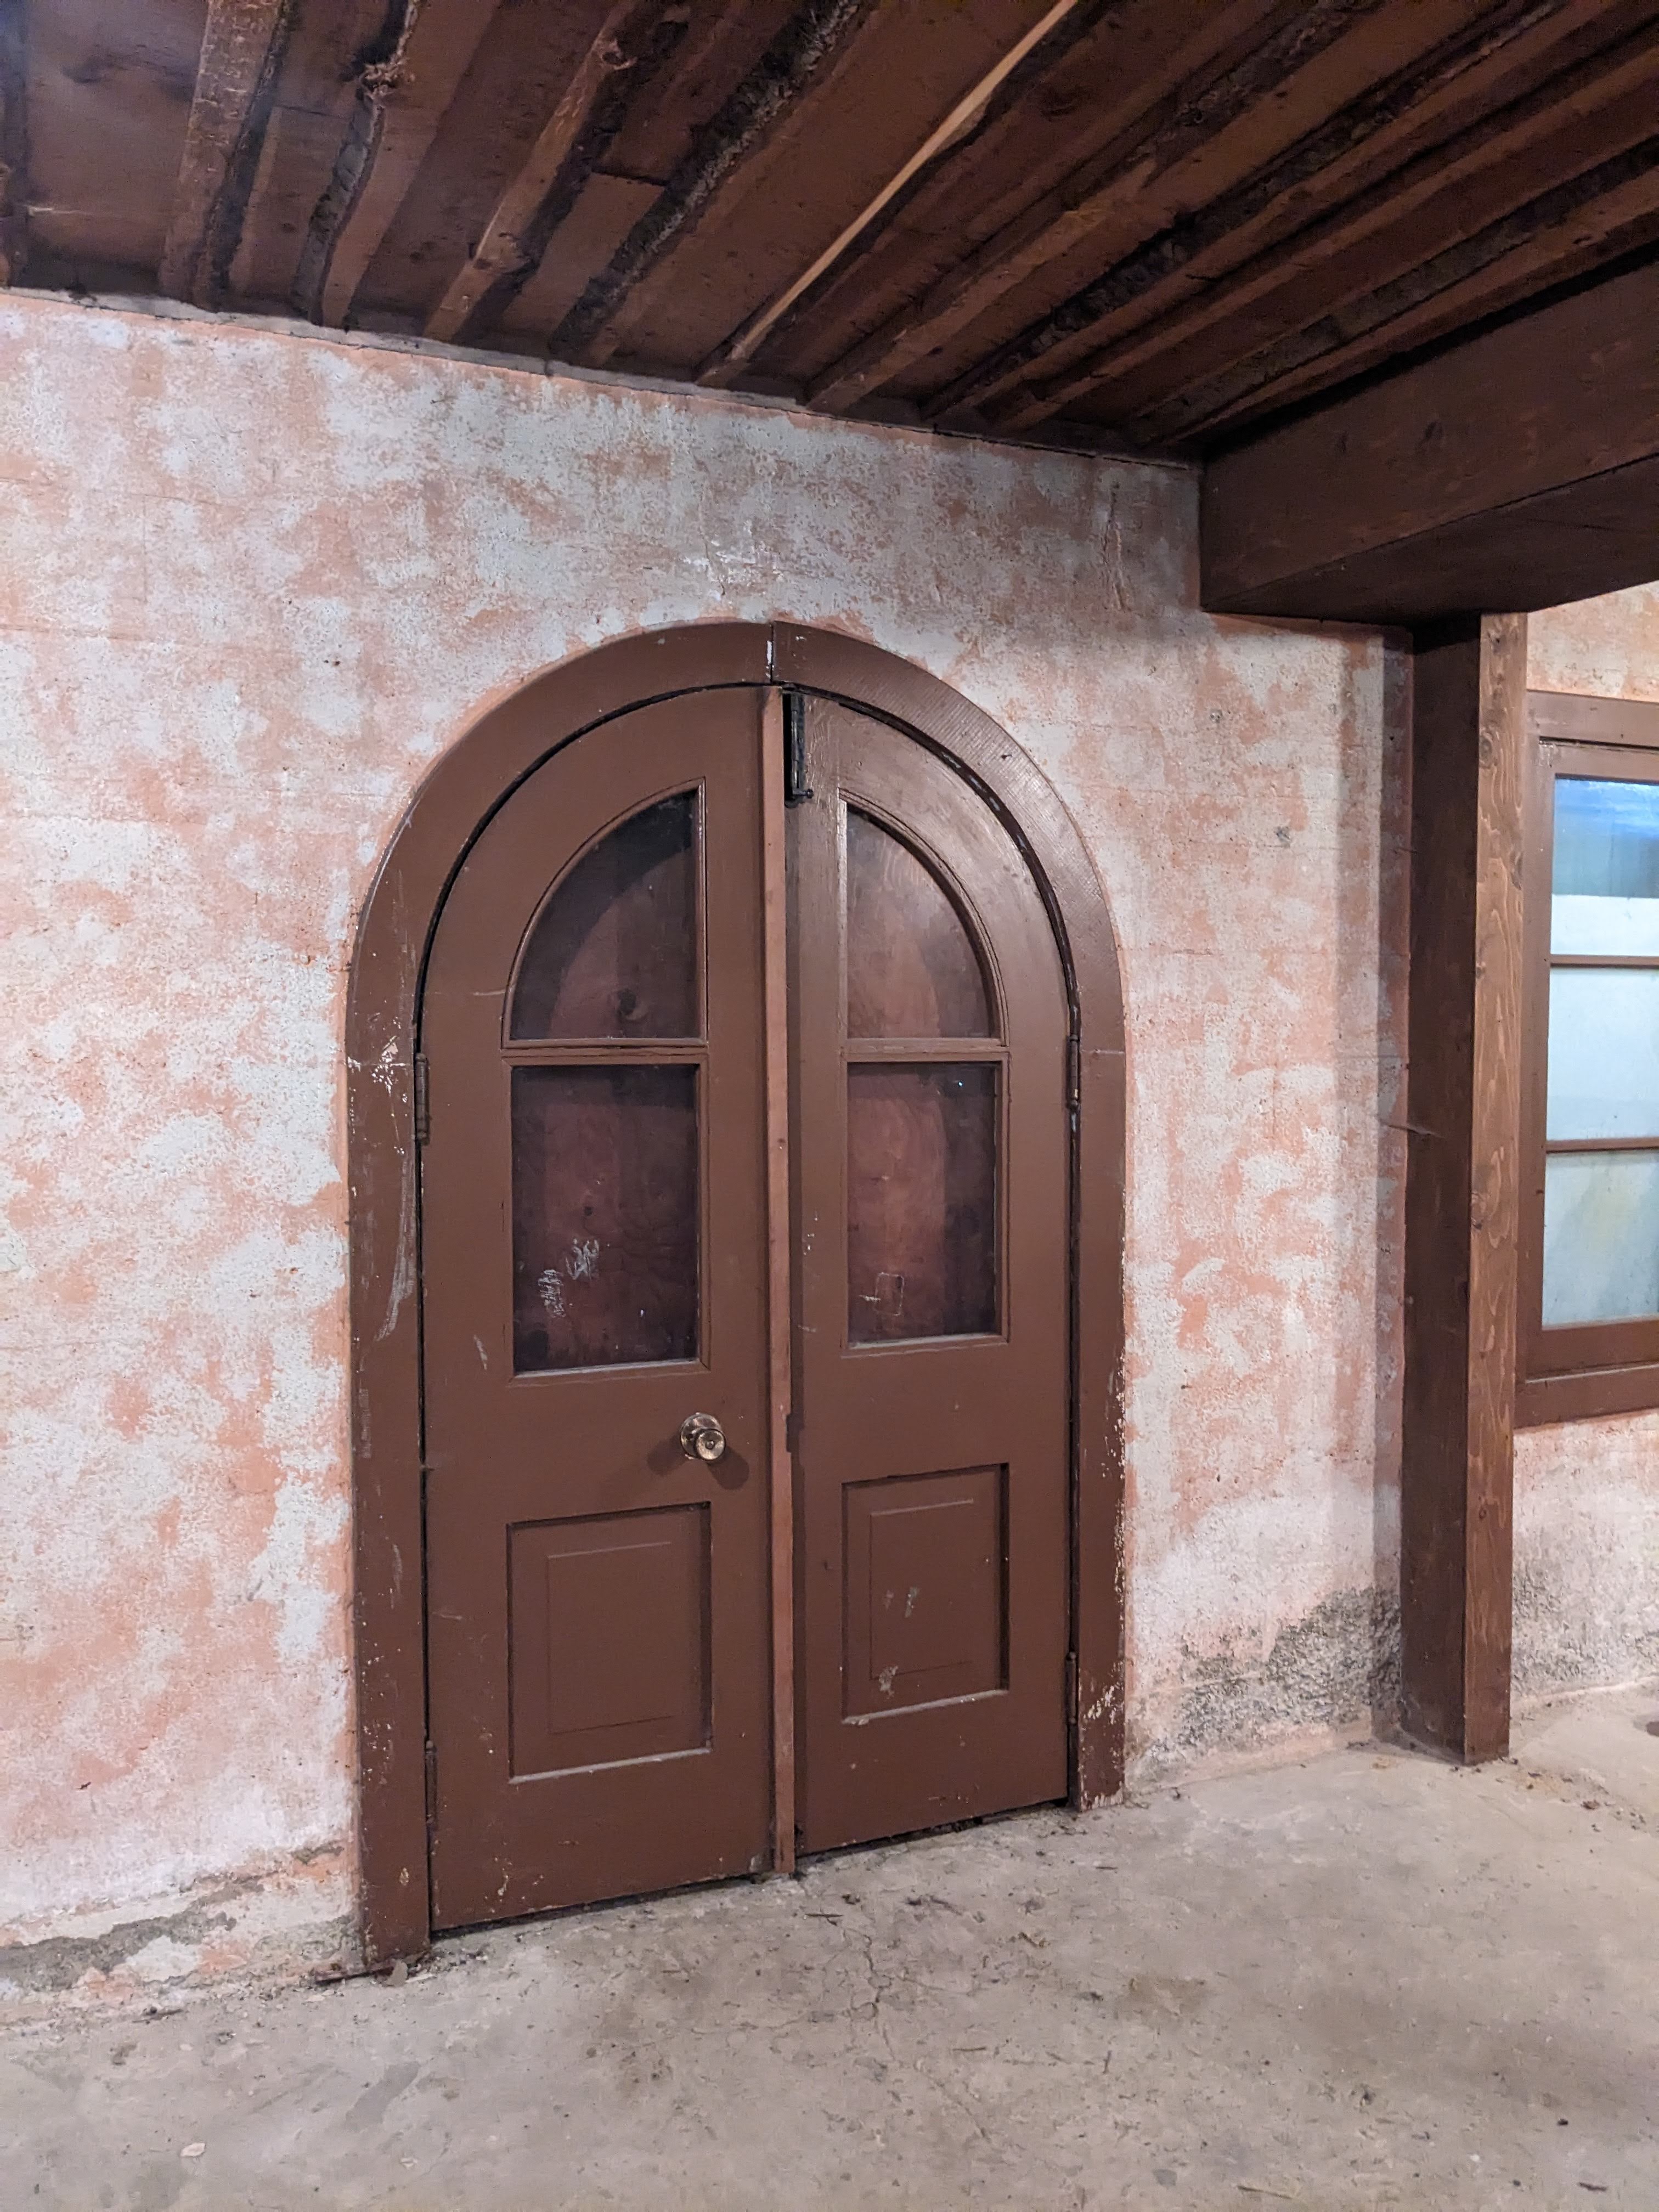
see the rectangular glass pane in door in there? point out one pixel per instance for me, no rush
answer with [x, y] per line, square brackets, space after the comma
[605, 1216]
[921, 1200]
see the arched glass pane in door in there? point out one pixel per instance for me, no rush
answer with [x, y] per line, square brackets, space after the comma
[913, 970]
[614, 950]
[923, 1125]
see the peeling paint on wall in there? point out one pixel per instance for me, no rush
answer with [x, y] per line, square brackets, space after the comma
[253, 585]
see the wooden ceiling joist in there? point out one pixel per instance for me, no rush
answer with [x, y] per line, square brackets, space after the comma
[1323, 158]
[241, 52]
[804, 52]
[401, 101]
[1061, 221]
[723, 366]
[1518, 469]
[1291, 251]
[13, 145]
[1414, 307]
[634, 39]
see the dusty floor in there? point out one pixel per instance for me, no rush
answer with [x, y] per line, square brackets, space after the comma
[1368, 1980]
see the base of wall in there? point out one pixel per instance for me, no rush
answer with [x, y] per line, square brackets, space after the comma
[280, 1925]
[1316, 1681]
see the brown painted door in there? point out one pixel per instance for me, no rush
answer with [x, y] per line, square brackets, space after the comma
[592, 1233]
[931, 1385]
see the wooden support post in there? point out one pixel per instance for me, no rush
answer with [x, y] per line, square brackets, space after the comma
[1463, 1182]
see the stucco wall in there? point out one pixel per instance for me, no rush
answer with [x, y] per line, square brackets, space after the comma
[251, 583]
[1587, 1493]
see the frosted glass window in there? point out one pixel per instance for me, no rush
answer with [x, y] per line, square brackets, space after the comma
[1600, 1237]
[1603, 1053]
[1605, 876]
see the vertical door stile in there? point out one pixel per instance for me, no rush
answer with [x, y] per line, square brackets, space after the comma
[779, 1348]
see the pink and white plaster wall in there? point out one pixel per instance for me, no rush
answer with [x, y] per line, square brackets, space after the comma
[251, 583]
[1587, 1493]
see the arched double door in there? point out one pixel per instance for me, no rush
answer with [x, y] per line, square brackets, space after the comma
[745, 1310]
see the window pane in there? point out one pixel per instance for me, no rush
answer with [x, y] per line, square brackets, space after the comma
[922, 1201]
[912, 968]
[1606, 867]
[1604, 1052]
[614, 951]
[605, 1216]
[1601, 1236]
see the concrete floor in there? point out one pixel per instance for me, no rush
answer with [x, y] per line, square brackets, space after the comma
[1368, 1979]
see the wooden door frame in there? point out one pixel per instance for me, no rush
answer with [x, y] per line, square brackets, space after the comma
[465, 787]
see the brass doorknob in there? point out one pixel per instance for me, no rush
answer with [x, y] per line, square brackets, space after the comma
[702, 1437]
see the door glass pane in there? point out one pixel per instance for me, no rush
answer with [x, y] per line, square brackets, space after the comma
[1604, 1052]
[1601, 1236]
[1606, 867]
[922, 1201]
[614, 951]
[605, 1216]
[912, 966]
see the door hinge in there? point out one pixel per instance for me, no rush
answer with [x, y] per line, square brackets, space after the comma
[1073, 1071]
[422, 1099]
[796, 788]
[431, 1785]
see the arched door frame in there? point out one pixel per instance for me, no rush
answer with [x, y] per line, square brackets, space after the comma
[472, 779]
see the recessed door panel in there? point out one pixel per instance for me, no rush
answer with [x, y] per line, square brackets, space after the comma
[609, 1639]
[926, 1590]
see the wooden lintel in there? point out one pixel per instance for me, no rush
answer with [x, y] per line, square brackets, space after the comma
[242, 45]
[624, 55]
[1517, 470]
[401, 101]
[1462, 1184]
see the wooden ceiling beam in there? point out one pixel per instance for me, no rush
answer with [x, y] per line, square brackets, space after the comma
[242, 45]
[728, 361]
[1064, 219]
[13, 145]
[1135, 280]
[1280, 260]
[1546, 241]
[630, 46]
[796, 60]
[1518, 469]
[401, 101]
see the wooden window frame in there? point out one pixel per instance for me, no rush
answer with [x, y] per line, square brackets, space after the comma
[1604, 1367]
